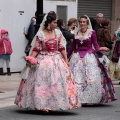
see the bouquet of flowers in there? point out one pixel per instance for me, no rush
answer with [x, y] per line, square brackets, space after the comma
[30, 61]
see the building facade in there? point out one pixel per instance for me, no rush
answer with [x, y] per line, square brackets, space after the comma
[16, 14]
[110, 9]
[115, 19]
[65, 9]
[76, 8]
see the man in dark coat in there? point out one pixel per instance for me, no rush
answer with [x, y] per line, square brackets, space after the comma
[99, 19]
[67, 34]
[30, 34]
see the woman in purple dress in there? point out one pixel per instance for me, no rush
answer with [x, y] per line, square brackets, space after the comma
[91, 77]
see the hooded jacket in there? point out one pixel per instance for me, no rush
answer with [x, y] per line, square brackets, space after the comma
[5, 44]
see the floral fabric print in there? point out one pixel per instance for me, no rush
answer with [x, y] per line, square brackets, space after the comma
[50, 84]
[93, 82]
[87, 77]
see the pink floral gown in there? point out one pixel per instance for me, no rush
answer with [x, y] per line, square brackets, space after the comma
[49, 84]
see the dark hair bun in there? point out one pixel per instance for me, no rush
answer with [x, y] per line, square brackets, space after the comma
[50, 17]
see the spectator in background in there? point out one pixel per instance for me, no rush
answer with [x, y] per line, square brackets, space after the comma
[67, 34]
[114, 67]
[30, 34]
[104, 37]
[72, 23]
[99, 19]
[93, 22]
[5, 51]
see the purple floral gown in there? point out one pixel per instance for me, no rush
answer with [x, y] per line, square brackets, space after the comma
[93, 82]
[49, 84]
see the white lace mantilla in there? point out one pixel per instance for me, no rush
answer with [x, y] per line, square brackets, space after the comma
[82, 38]
[41, 36]
[58, 34]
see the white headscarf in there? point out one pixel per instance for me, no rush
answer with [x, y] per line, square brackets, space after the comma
[40, 29]
[25, 71]
[89, 23]
[42, 24]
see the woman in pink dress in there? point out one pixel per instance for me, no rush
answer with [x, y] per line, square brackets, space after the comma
[49, 84]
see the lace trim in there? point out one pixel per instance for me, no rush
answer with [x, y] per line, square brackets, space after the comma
[41, 36]
[57, 32]
[82, 38]
[49, 53]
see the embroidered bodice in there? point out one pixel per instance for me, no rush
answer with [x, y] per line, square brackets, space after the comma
[84, 45]
[51, 45]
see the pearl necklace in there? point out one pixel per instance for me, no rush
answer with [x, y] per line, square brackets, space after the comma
[83, 32]
[83, 37]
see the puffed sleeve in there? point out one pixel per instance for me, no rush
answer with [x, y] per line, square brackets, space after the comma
[37, 46]
[38, 41]
[94, 40]
[72, 48]
[60, 40]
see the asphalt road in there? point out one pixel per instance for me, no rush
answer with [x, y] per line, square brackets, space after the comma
[109, 111]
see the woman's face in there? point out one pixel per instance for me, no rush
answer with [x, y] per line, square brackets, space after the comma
[99, 19]
[53, 24]
[73, 25]
[83, 23]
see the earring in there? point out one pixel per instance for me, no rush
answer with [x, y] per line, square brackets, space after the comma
[48, 27]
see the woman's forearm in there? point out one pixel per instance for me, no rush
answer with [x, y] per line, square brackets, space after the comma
[64, 55]
[34, 54]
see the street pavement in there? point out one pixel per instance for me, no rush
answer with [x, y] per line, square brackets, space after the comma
[9, 111]
[8, 89]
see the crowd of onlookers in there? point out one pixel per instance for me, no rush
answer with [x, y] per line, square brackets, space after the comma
[104, 38]
[100, 24]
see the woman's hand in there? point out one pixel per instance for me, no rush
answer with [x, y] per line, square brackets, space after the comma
[24, 32]
[89, 83]
[31, 59]
[67, 63]
[104, 48]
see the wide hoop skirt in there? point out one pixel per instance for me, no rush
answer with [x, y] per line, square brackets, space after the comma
[93, 83]
[49, 85]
